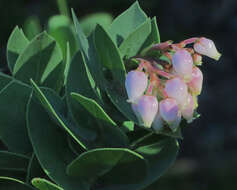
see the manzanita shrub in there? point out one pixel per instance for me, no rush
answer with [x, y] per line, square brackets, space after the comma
[104, 111]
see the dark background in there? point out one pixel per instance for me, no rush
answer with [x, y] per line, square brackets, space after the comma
[208, 156]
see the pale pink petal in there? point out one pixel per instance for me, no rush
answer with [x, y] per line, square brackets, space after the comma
[147, 108]
[136, 84]
[182, 62]
[207, 47]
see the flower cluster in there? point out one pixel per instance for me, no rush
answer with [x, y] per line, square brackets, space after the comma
[163, 92]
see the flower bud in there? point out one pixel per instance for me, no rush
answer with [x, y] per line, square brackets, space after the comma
[147, 108]
[169, 111]
[195, 85]
[187, 111]
[158, 123]
[176, 88]
[197, 59]
[136, 84]
[182, 62]
[207, 47]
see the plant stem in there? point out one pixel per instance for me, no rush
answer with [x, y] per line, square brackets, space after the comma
[63, 7]
[133, 145]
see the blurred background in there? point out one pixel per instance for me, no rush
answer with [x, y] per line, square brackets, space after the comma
[208, 156]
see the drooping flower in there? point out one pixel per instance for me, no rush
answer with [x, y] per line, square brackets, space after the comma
[136, 84]
[182, 62]
[177, 89]
[187, 111]
[207, 47]
[169, 111]
[195, 85]
[146, 109]
[158, 122]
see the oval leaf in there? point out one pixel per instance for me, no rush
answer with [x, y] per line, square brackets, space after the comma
[59, 28]
[116, 161]
[15, 46]
[13, 184]
[133, 43]
[108, 132]
[53, 104]
[127, 22]
[159, 156]
[13, 162]
[112, 63]
[50, 146]
[38, 61]
[13, 101]
[153, 38]
[43, 184]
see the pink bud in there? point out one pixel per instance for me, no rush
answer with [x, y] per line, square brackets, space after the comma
[169, 111]
[207, 47]
[182, 63]
[176, 88]
[136, 84]
[187, 111]
[158, 123]
[147, 108]
[195, 85]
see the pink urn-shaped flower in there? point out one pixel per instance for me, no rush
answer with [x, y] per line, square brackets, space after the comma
[182, 62]
[169, 111]
[207, 47]
[158, 122]
[136, 84]
[146, 109]
[177, 89]
[195, 85]
[187, 111]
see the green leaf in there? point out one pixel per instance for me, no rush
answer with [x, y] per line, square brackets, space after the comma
[93, 108]
[60, 29]
[15, 46]
[89, 52]
[128, 126]
[117, 161]
[7, 183]
[82, 40]
[86, 87]
[53, 104]
[109, 54]
[43, 184]
[34, 169]
[4, 80]
[16, 174]
[67, 64]
[108, 132]
[79, 72]
[13, 131]
[38, 61]
[113, 72]
[133, 43]
[159, 156]
[13, 161]
[32, 27]
[126, 23]
[50, 146]
[89, 22]
[153, 38]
